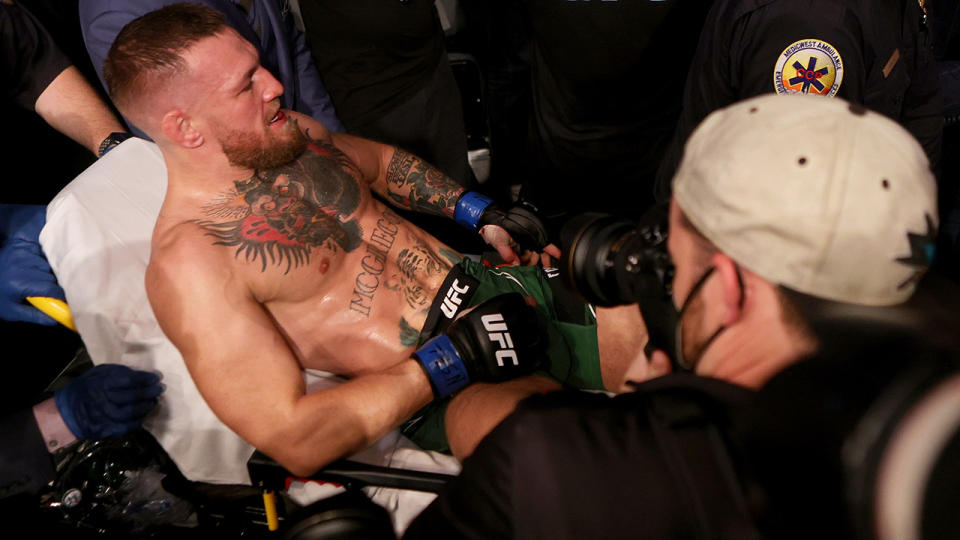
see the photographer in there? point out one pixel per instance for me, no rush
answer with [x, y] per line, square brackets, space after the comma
[763, 222]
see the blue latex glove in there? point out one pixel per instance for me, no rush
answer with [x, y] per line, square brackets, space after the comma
[24, 270]
[107, 401]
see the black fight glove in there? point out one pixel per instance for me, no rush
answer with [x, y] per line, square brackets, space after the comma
[475, 210]
[495, 341]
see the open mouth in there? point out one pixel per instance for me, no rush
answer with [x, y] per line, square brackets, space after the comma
[277, 117]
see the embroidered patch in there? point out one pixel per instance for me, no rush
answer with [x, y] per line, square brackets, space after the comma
[808, 66]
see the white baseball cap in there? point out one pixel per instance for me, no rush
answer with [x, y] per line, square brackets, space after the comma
[819, 195]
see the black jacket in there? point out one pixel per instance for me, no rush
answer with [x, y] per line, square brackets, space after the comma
[882, 46]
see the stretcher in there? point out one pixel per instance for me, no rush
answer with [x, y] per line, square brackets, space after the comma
[97, 240]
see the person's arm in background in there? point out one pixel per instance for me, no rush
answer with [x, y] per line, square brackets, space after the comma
[41, 78]
[312, 95]
[106, 401]
[73, 107]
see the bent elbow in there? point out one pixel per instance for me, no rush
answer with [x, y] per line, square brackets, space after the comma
[302, 468]
[304, 459]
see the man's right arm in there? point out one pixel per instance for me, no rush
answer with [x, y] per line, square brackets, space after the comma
[251, 379]
[249, 376]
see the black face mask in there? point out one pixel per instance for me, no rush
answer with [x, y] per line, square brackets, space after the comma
[689, 364]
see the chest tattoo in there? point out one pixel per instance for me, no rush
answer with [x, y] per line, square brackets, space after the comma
[417, 264]
[280, 215]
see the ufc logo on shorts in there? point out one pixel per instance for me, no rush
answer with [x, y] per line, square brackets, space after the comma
[497, 332]
[452, 300]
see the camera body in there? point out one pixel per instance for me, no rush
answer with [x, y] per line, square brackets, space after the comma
[609, 260]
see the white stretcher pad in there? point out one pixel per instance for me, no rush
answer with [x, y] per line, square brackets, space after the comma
[97, 239]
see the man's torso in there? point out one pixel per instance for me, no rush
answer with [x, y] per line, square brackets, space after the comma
[345, 280]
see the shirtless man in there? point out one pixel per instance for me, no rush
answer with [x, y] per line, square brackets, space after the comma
[270, 254]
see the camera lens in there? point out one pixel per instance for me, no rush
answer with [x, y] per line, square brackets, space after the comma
[612, 261]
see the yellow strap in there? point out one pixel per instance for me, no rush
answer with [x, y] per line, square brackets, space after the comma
[54, 307]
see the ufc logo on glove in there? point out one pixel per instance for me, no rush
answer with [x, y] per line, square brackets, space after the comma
[497, 333]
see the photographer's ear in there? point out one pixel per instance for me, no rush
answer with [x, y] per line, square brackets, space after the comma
[734, 291]
[644, 368]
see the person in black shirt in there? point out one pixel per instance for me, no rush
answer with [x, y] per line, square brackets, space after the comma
[848, 228]
[385, 66]
[40, 77]
[607, 78]
[872, 52]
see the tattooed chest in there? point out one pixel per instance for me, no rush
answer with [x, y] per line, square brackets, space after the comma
[279, 216]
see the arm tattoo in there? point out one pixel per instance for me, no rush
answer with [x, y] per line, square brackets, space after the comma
[409, 336]
[282, 214]
[415, 184]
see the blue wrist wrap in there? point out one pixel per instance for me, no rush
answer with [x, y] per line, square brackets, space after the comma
[443, 365]
[469, 208]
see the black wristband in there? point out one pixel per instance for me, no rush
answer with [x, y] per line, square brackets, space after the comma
[112, 140]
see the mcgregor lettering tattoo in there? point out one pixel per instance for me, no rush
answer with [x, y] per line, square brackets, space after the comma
[373, 263]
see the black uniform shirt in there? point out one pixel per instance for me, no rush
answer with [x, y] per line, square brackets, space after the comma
[607, 82]
[577, 465]
[372, 54]
[872, 52]
[30, 58]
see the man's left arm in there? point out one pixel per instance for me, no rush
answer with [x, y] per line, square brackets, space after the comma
[409, 182]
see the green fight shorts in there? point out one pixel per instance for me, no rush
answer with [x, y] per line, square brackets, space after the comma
[571, 325]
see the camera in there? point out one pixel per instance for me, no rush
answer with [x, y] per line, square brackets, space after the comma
[612, 261]
[609, 260]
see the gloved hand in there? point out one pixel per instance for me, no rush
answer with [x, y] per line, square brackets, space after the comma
[109, 400]
[24, 270]
[495, 341]
[524, 229]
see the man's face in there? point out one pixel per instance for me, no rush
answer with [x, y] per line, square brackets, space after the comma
[238, 103]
